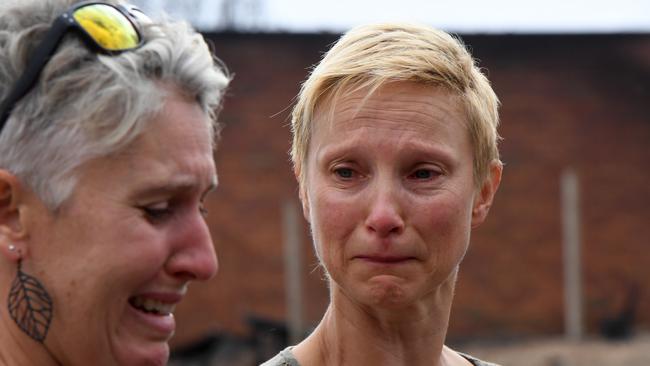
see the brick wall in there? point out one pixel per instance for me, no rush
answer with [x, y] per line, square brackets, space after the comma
[568, 101]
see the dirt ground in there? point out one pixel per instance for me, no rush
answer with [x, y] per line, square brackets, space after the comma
[559, 352]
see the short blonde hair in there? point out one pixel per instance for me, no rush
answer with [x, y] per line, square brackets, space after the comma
[372, 55]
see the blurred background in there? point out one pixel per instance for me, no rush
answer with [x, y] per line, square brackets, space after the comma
[560, 272]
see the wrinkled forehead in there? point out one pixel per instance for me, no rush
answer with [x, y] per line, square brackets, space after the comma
[408, 103]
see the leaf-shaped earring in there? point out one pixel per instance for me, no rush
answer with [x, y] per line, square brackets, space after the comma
[30, 306]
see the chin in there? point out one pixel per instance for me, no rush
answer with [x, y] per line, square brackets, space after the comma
[388, 292]
[151, 355]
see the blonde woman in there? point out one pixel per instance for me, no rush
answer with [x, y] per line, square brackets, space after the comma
[395, 152]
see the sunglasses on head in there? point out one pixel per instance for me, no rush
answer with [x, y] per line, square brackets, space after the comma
[105, 28]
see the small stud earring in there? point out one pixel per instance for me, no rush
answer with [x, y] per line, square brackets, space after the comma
[12, 248]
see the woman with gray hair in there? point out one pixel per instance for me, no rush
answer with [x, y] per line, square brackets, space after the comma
[107, 126]
[395, 152]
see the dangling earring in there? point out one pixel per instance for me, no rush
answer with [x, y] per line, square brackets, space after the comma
[30, 306]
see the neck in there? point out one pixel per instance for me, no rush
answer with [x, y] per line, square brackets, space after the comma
[17, 348]
[357, 334]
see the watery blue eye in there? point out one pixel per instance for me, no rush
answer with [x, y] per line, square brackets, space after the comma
[345, 173]
[422, 174]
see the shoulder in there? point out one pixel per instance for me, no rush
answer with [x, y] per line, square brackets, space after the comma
[475, 361]
[284, 358]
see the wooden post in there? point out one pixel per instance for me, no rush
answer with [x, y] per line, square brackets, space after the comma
[573, 317]
[292, 272]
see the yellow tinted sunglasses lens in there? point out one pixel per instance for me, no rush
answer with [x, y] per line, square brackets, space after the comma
[108, 27]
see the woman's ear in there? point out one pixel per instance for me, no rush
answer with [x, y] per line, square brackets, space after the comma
[12, 231]
[483, 200]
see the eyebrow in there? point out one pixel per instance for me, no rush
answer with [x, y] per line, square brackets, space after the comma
[178, 186]
[413, 148]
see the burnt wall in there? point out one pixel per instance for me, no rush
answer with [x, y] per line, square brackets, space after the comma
[567, 101]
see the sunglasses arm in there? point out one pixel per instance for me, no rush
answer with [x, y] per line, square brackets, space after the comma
[35, 65]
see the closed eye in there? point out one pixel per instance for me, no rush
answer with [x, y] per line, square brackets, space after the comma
[157, 212]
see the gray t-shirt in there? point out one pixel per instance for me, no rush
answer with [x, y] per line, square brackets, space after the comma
[285, 358]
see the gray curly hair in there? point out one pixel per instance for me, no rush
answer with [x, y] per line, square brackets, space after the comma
[87, 105]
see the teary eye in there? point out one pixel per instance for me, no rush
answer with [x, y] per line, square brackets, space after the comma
[424, 174]
[157, 211]
[345, 173]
